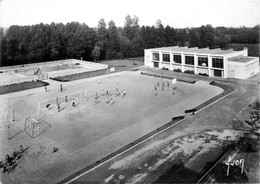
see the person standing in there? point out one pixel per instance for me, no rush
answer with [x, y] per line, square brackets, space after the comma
[66, 98]
[112, 101]
[58, 107]
[45, 88]
[96, 100]
[107, 100]
[123, 93]
[117, 92]
[73, 103]
[60, 87]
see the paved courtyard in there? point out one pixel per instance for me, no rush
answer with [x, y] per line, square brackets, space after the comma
[90, 131]
[180, 153]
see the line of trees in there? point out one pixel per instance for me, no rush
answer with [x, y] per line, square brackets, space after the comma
[55, 41]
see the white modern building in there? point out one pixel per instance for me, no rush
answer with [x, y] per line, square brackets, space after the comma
[211, 62]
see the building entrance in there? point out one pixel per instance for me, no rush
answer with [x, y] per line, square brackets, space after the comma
[218, 73]
[156, 65]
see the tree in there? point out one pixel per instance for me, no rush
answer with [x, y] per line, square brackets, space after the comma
[248, 142]
[12, 50]
[181, 37]
[102, 29]
[158, 24]
[159, 34]
[3, 55]
[113, 43]
[102, 37]
[96, 53]
[194, 38]
[46, 42]
[170, 36]
[206, 36]
[131, 27]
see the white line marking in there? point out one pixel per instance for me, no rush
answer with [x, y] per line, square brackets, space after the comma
[217, 100]
[144, 141]
[140, 122]
[124, 151]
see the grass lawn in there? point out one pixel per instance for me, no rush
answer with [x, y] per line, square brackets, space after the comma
[125, 64]
[21, 86]
[253, 49]
[79, 76]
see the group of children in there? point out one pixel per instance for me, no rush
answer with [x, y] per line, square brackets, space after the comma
[108, 94]
[65, 100]
[157, 86]
[10, 161]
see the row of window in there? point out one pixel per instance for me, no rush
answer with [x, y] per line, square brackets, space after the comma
[189, 60]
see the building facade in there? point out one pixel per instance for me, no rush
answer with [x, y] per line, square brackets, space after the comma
[205, 61]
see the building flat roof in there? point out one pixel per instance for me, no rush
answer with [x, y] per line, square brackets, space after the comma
[241, 59]
[217, 51]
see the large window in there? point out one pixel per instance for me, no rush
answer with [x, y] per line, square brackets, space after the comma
[177, 58]
[166, 57]
[202, 61]
[189, 60]
[156, 57]
[217, 62]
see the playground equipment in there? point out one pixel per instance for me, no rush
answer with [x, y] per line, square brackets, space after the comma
[43, 76]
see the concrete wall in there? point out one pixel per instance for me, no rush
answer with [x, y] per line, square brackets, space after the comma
[165, 65]
[148, 58]
[236, 70]
[202, 70]
[253, 68]
[188, 68]
[243, 70]
[175, 66]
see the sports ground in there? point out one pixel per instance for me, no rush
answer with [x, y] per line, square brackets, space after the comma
[93, 128]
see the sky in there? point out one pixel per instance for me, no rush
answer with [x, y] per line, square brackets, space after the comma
[175, 13]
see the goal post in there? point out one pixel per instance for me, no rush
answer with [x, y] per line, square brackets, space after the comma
[35, 128]
[31, 126]
[43, 76]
